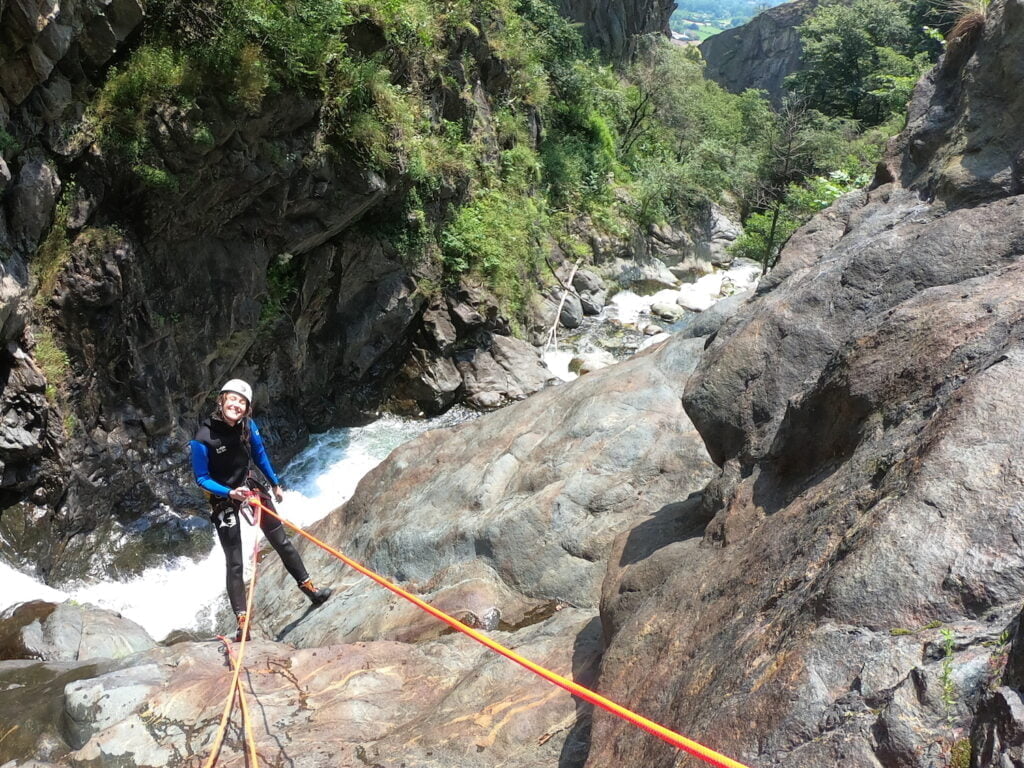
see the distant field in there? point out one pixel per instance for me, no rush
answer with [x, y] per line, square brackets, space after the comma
[703, 29]
[699, 19]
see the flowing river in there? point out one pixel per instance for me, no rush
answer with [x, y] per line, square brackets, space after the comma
[325, 474]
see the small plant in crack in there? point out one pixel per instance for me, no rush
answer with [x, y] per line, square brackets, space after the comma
[946, 676]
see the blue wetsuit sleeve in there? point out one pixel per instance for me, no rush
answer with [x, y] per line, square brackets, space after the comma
[201, 469]
[259, 454]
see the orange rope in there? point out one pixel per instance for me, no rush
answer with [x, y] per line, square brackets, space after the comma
[250, 740]
[692, 747]
[235, 686]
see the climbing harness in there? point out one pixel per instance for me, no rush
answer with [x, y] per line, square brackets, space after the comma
[706, 754]
[235, 688]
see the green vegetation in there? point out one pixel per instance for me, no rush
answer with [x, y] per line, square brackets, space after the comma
[996, 665]
[9, 146]
[52, 361]
[564, 142]
[861, 60]
[946, 675]
[960, 754]
[52, 255]
[282, 285]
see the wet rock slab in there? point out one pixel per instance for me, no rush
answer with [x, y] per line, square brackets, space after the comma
[512, 510]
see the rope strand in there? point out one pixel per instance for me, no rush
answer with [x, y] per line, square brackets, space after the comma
[694, 748]
[235, 687]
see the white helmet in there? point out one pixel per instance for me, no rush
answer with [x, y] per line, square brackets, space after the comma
[238, 387]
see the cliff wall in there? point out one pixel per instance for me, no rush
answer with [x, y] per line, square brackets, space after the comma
[758, 54]
[611, 26]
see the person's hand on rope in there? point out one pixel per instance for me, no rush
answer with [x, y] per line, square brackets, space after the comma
[241, 493]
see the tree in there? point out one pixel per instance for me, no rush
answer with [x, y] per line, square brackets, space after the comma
[684, 138]
[789, 157]
[858, 60]
[807, 162]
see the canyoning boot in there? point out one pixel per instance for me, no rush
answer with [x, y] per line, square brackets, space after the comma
[242, 628]
[316, 596]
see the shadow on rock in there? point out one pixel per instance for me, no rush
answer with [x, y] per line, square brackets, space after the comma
[585, 658]
[678, 521]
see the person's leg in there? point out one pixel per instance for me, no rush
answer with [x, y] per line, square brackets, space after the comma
[229, 532]
[273, 529]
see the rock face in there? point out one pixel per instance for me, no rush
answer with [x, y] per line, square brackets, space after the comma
[510, 513]
[505, 522]
[761, 53]
[66, 632]
[247, 262]
[844, 604]
[446, 702]
[612, 26]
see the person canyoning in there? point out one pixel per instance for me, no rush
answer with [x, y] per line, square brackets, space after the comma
[226, 452]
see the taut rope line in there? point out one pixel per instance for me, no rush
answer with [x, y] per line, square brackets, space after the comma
[694, 748]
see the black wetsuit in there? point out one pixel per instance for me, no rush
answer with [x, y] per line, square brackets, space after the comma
[222, 460]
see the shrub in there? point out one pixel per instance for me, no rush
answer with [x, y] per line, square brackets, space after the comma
[498, 237]
[154, 75]
[52, 361]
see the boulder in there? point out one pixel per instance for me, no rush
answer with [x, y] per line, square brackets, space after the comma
[644, 278]
[66, 632]
[437, 323]
[670, 244]
[30, 202]
[430, 380]
[591, 361]
[571, 315]
[667, 311]
[509, 370]
[593, 303]
[585, 281]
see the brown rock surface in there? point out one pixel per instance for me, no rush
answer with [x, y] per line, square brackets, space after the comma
[447, 702]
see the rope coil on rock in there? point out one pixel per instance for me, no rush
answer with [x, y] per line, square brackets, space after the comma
[694, 748]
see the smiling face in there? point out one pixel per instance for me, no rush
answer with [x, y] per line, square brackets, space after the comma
[233, 407]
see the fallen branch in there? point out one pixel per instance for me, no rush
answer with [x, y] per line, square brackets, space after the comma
[553, 333]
